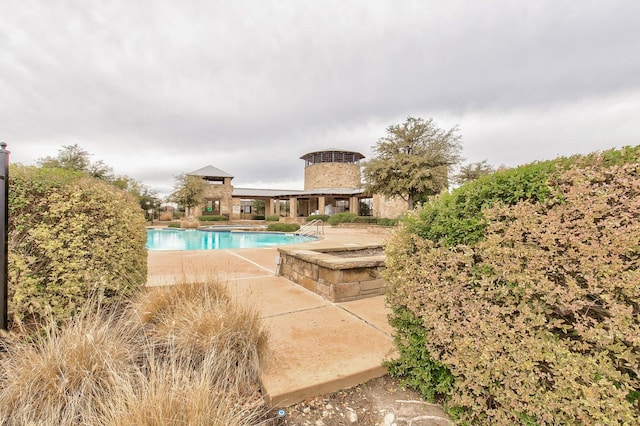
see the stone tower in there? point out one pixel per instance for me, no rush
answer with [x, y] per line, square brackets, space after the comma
[332, 168]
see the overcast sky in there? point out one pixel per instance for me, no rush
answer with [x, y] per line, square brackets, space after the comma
[155, 88]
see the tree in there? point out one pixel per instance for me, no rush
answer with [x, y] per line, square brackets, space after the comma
[472, 171]
[413, 161]
[188, 191]
[73, 157]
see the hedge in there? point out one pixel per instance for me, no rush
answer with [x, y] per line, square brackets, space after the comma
[322, 217]
[516, 297]
[70, 237]
[283, 227]
[213, 218]
[345, 217]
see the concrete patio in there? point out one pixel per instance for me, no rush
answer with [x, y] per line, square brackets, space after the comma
[316, 347]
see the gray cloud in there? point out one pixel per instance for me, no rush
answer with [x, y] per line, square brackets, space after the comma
[156, 88]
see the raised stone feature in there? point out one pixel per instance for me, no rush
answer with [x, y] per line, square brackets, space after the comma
[332, 168]
[336, 277]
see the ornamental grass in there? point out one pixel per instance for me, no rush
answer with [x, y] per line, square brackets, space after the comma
[176, 355]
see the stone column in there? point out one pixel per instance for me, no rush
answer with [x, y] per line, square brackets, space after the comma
[268, 207]
[277, 211]
[293, 207]
[353, 205]
[320, 205]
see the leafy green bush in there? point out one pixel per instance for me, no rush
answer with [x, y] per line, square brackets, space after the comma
[383, 221]
[71, 236]
[257, 217]
[213, 218]
[322, 217]
[527, 295]
[345, 217]
[174, 225]
[283, 227]
[273, 218]
[365, 219]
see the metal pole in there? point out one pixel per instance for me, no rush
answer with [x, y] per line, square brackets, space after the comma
[4, 233]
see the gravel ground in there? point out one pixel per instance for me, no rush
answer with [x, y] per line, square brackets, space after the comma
[380, 401]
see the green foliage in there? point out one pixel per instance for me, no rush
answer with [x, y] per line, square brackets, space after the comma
[322, 217]
[472, 171]
[416, 366]
[70, 236]
[366, 219]
[76, 158]
[345, 217]
[383, 221]
[273, 218]
[188, 190]
[174, 225]
[257, 217]
[413, 161]
[535, 314]
[283, 227]
[457, 218]
[213, 218]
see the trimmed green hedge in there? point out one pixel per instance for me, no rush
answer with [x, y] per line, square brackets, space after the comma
[345, 217]
[516, 298]
[283, 227]
[323, 217]
[213, 218]
[273, 218]
[71, 237]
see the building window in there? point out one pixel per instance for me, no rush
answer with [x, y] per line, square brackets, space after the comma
[342, 206]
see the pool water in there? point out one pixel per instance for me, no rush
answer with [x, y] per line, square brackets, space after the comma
[175, 239]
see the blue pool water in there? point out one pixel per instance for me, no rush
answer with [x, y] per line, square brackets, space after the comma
[174, 239]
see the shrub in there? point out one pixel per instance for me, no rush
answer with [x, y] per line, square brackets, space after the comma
[183, 354]
[345, 217]
[257, 217]
[174, 225]
[283, 227]
[212, 218]
[534, 315]
[189, 223]
[365, 219]
[322, 217]
[273, 218]
[71, 236]
[166, 216]
[383, 221]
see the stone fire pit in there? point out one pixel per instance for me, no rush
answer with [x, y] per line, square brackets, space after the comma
[338, 274]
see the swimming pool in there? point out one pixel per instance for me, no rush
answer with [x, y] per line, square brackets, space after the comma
[191, 239]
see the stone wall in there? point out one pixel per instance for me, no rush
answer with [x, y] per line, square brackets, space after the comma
[336, 279]
[331, 175]
[388, 207]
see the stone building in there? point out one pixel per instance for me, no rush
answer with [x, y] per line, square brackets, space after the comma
[332, 184]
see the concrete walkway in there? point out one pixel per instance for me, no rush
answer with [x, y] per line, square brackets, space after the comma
[316, 347]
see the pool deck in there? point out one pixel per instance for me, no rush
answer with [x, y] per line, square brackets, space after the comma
[315, 346]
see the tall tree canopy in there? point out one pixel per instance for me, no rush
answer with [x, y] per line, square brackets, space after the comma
[188, 191]
[413, 160]
[74, 157]
[472, 171]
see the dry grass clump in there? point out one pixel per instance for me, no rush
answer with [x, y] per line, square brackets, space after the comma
[183, 355]
[194, 321]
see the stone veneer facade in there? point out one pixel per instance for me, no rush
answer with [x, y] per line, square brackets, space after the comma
[334, 278]
[331, 175]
